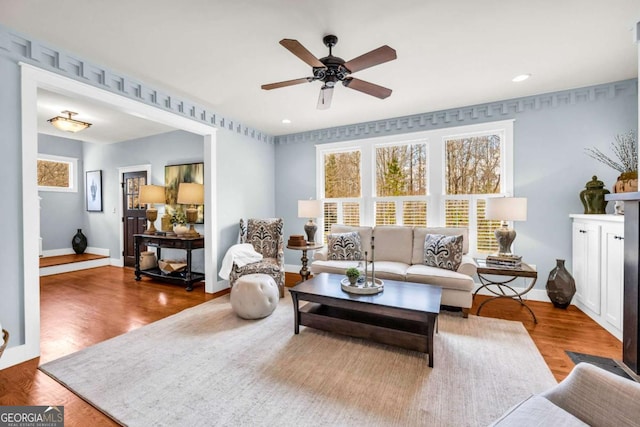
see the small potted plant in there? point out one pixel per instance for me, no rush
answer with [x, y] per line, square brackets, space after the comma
[179, 221]
[352, 274]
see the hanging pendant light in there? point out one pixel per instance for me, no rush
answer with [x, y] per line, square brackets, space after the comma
[68, 124]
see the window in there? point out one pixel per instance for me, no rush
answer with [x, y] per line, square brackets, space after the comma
[436, 178]
[56, 173]
[473, 170]
[341, 188]
[401, 184]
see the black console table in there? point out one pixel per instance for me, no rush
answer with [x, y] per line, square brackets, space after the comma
[186, 277]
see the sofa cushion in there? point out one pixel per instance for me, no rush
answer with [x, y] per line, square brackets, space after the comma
[537, 411]
[419, 234]
[390, 270]
[344, 246]
[421, 273]
[334, 267]
[443, 251]
[364, 232]
[393, 243]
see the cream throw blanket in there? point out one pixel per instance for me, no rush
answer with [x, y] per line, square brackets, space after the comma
[241, 255]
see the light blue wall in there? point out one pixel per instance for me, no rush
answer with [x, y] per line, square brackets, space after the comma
[11, 267]
[551, 132]
[61, 213]
[243, 153]
[246, 184]
[103, 228]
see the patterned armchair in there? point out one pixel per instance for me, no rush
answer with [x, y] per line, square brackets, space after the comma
[266, 237]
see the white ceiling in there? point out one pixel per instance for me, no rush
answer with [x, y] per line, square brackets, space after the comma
[107, 125]
[451, 53]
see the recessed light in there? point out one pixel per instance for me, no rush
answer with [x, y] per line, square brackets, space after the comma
[286, 121]
[521, 78]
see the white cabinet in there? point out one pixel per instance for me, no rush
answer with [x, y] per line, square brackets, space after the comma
[597, 267]
[613, 273]
[586, 264]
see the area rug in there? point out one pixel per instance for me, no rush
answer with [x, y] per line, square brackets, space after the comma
[205, 366]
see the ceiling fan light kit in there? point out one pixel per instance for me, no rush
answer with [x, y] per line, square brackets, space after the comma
[331, 69]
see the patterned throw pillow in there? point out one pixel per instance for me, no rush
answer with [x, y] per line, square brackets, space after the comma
[443, 251]
[344, 246]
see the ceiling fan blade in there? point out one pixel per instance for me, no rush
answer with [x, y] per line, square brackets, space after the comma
[377, 56]
[286, 83]
[301, 52]
[324, 99]
[368, 88]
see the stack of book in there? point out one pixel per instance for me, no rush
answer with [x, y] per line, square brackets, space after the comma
[509, 261]
[296, 240]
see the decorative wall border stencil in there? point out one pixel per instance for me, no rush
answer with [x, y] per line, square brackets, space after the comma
[465, 115]
[22, 48]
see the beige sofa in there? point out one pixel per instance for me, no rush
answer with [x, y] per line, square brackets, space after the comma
[399, 255]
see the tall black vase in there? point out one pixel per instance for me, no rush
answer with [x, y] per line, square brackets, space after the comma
[561, 287]
[79, 242]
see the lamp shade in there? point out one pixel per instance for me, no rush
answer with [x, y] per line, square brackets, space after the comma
[309, 208]
[152, 194]
[506, 209]
[190, 193]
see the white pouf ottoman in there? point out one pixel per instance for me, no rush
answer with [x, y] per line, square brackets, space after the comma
[254, 296]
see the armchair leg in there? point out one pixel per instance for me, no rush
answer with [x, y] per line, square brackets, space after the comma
[465, 313]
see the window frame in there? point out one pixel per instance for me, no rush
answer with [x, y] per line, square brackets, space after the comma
[435, 141]
[73, 173]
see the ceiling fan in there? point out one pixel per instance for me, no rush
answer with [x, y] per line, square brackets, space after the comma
[330, 70]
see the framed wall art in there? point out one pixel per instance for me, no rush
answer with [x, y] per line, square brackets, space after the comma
[176, 174]
[93, 189]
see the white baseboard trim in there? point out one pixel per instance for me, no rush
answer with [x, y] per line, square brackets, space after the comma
[116, 262]
[58, 252]
[533, 295]
[292, 268]
[70, 251]
[74, 266]
[18, 354]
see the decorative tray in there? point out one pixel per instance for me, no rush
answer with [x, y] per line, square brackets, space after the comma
[360, 288]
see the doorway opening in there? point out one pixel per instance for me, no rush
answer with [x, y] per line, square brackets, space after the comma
[33, 78]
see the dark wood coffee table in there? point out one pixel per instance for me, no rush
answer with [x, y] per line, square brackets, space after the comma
[404, 314]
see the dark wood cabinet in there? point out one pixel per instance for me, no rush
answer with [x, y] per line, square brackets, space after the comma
[186, 277]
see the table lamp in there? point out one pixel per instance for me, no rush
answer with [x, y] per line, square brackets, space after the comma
[310, 209]
[150, 194]
[506, 209]
[191, 194]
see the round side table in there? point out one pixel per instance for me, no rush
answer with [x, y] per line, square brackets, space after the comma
[304, 271]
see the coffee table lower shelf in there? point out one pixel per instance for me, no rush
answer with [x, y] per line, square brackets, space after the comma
[403, 333]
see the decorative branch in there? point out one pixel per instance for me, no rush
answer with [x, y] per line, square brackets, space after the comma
[625, 149]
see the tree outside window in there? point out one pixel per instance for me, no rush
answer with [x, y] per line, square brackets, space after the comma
[401, 184]
[472, 170]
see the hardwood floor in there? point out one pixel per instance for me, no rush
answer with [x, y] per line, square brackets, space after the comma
[81, 308]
